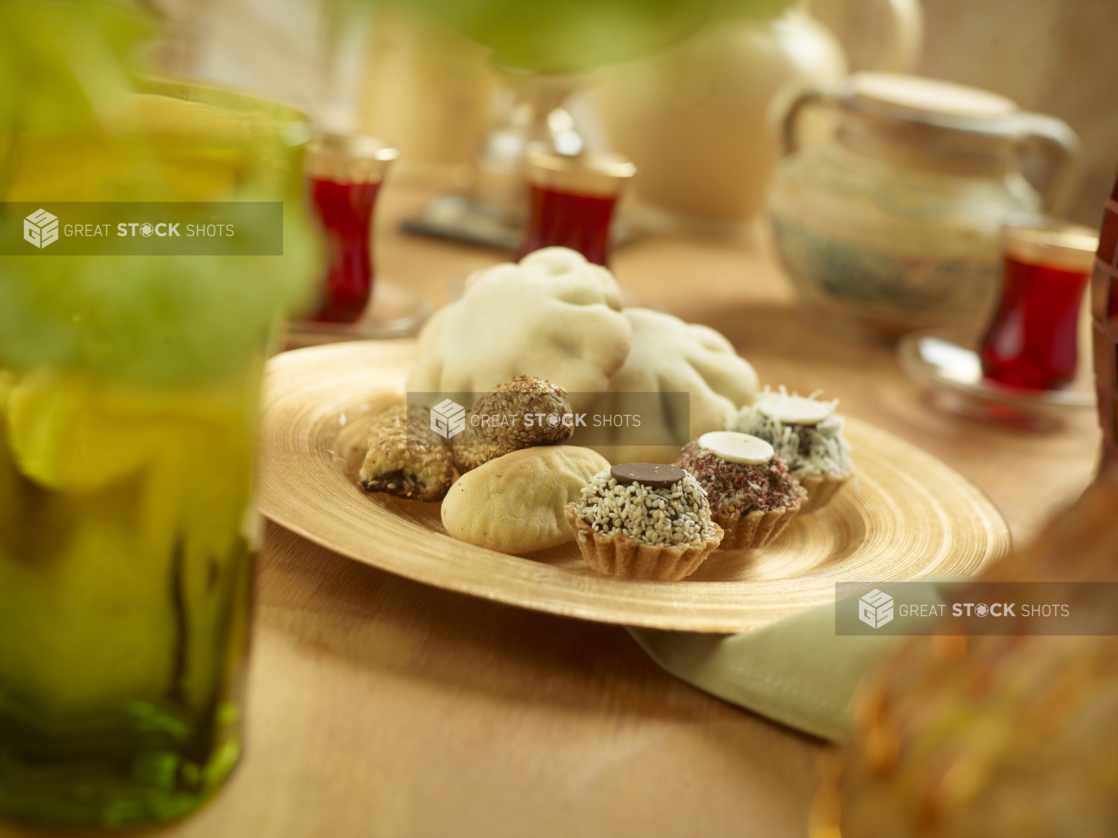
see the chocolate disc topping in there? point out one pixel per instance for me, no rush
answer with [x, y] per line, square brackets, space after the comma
[647, 474]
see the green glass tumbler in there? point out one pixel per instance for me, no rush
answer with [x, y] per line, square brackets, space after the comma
[129, 390]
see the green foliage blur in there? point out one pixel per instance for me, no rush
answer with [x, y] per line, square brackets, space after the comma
[80, 122]
[564, 36]
[571, 36]
[53, 55]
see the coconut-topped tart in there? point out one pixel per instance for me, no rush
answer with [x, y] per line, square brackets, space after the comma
[644, 521]
[807, 434]
[752, 496]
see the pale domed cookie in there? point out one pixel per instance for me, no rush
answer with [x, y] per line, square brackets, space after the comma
[559, 261]
[514, 504]
[552, 316]
[671, 356]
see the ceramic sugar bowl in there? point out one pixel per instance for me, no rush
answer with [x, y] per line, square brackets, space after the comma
[891, 223]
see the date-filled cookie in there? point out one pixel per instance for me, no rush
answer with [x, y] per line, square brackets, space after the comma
[405, 457]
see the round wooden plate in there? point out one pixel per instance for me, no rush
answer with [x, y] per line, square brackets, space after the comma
[907, 515]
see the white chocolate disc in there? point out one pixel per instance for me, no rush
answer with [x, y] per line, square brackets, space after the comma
[737, 448]
[794, 410]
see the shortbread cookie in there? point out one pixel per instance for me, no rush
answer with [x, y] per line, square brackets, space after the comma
[554, 316]
[406, 458]
[517, 414]
[514, 504]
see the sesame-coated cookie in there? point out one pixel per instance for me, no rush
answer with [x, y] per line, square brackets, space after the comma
[518, 414]
[406, 458]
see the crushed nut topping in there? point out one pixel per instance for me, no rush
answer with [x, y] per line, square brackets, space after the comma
[739, 488]
[809, 450]
[675, 514]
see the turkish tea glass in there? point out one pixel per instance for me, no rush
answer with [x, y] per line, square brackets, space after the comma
[571, 201]
[344, 175]
[1031, 341]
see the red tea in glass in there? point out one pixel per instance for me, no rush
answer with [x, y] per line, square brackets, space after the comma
[1031, 343]
[345, 211]
[571, 200]
[344, 176]
[580, 222]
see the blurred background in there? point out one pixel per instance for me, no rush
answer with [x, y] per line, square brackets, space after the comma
[393, 72]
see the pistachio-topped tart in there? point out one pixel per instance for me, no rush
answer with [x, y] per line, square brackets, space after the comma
[752, 496]
[807, 434]
[644, 521]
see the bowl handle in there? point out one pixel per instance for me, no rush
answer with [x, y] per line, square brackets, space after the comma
[789, 111]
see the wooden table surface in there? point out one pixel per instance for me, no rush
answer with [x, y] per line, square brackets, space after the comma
[382, 707]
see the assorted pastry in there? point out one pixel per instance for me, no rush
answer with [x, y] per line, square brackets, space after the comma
[644, 521]
[514, 503]
[547, 338]
[484, 439]
[406, 458]
[751, 494]
[807, 434]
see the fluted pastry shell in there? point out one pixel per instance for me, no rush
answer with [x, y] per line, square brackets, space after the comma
[617, 554]
[821, 490]
[754, 529]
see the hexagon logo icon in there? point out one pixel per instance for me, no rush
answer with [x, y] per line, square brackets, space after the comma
[875, 609]
[40, 228]
[448, 418]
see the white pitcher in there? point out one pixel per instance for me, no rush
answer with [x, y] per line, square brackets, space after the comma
[694, 118]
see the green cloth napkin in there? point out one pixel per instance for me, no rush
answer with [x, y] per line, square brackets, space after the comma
[797, 671]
